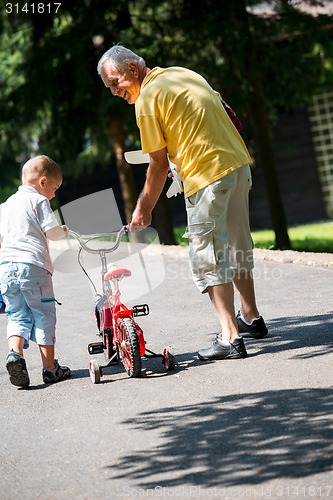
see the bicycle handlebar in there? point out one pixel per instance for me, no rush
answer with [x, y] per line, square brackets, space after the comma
[82, 237]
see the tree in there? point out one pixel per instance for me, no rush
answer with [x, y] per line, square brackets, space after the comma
[52, 100]
[252, 59]
[69, 115]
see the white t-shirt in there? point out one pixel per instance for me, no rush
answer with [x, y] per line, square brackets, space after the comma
[24, 219]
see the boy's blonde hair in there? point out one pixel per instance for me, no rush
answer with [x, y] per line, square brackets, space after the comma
[40, 166]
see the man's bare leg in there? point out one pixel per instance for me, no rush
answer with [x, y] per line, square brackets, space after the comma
[229, 344]
[222, 298]
[245, 286]
[249, 320]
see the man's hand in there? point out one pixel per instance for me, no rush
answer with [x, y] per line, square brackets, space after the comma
[140, 218]
[156, 176]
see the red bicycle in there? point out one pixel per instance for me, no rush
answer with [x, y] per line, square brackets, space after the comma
[121, 338]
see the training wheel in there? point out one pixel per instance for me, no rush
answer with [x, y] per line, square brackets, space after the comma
[168, 359]
[94, 371]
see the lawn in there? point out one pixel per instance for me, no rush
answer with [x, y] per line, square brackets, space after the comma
[306, 238]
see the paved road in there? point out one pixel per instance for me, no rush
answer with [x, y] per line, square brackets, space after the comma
[255, 428]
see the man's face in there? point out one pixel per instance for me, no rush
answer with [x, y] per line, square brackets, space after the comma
[125, 85]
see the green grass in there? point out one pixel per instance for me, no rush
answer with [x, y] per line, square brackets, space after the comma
[306, 238]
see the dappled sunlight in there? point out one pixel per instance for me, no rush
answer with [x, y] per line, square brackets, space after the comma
[233, 440]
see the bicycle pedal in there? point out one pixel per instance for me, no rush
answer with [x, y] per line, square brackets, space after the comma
[96, 348]
[140, 310]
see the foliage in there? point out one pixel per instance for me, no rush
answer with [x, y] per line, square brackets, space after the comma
[306, 238]
[52, 100]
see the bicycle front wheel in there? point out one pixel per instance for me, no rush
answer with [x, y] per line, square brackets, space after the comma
[129, 347]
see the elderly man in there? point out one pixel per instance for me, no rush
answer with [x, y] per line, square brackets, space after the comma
[182, 118]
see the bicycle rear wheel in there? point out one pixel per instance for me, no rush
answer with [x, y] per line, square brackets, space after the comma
[129, 347]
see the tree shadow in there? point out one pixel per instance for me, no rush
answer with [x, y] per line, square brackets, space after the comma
[233, 440]
[285, 334]
[288, 333]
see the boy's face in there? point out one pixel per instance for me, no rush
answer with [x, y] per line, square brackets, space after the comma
[47, 186]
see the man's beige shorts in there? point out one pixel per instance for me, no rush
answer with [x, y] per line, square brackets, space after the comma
[219, 231]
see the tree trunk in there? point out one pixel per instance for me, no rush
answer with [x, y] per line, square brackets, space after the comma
[263, 137]
[162, 220]
[264, 141]
[161, 213]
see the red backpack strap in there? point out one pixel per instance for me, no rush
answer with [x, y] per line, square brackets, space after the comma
[232, 115]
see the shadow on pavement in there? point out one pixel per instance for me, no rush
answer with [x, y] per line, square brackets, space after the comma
[234, 440]
[244, 439]
[285, 334]
[296, 332]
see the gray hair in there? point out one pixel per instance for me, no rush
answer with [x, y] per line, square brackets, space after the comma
[119, 57]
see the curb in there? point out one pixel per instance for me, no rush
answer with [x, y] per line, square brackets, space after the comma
[294, 257]
[314, 259]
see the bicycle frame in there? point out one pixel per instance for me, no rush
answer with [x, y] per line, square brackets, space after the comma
[121, 335]
[109, 304]
[113, 308]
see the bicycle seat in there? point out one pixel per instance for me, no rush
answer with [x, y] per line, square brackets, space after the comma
[117, 274]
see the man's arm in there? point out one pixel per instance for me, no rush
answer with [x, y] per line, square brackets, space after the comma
[157, 174]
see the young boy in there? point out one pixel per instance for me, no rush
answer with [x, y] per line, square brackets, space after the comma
[2, 305]
[26, 270]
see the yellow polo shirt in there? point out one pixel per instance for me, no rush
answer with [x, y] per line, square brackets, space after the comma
[179, 110]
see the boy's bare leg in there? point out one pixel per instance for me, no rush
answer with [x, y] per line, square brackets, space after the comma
[222, 298]
[15, 363]
[52, 371]
[245, 286]
[16, 344]
[47, 354]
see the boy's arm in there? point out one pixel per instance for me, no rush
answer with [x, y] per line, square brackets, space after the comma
[57, 233]
[49, 223]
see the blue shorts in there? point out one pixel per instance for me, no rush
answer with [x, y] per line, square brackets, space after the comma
[30, 305]
[219, 231]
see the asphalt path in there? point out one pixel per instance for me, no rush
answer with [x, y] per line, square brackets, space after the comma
[261, 427]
